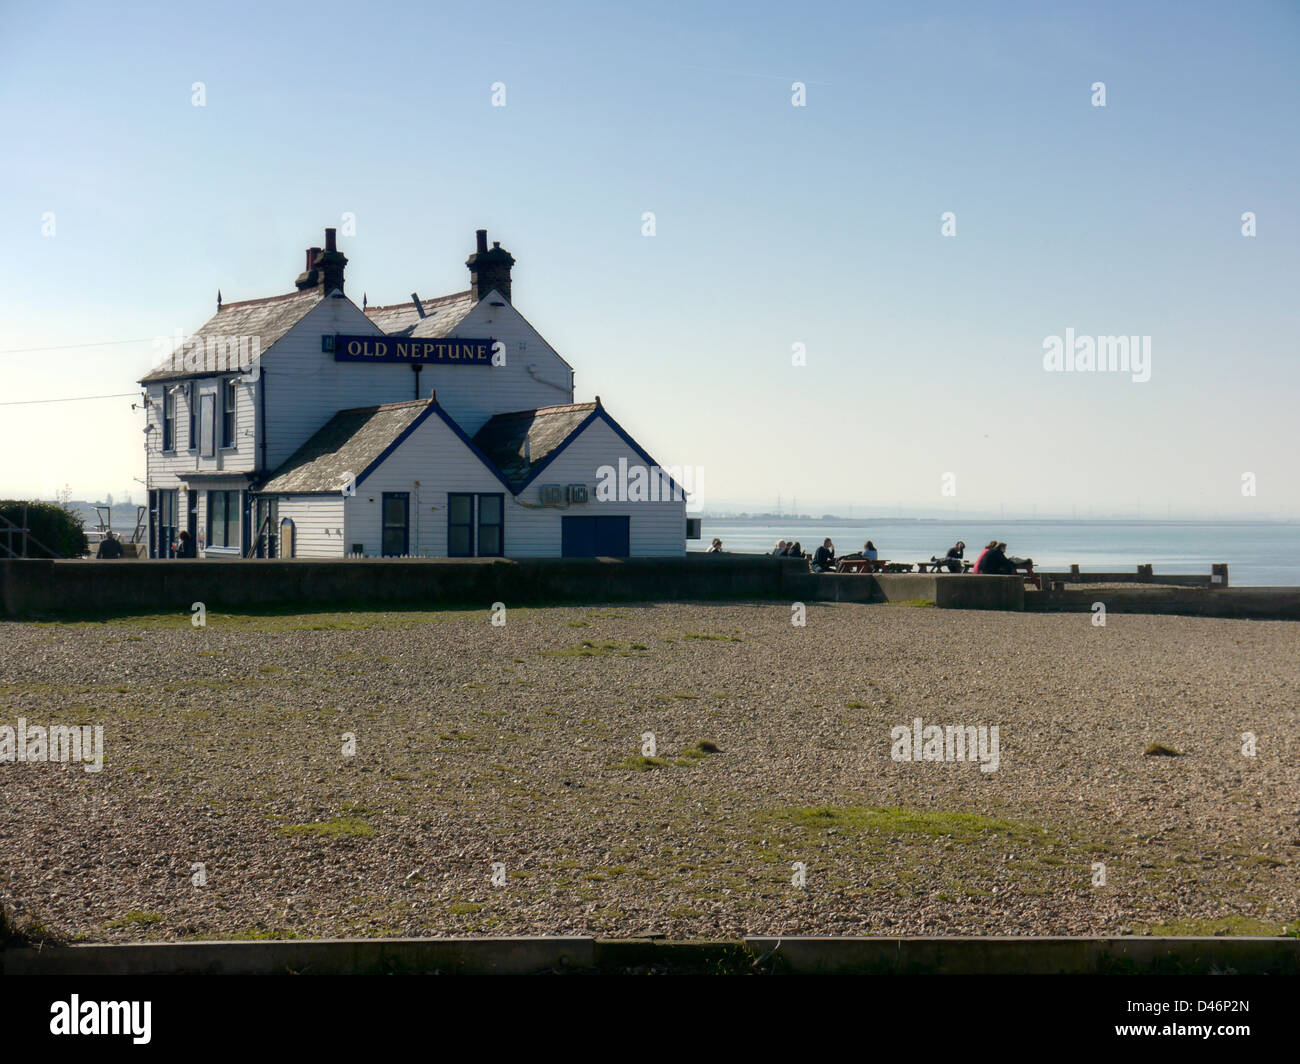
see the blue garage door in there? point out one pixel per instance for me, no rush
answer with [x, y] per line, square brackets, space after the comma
[595, 537]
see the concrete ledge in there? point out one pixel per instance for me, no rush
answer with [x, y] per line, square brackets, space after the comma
[799, 955]
[1246, 603]
[1030, 956]
[488, 956]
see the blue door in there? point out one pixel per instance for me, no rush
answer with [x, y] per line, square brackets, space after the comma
[595, 537]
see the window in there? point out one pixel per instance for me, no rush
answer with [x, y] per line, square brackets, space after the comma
[228, 412]
[192, 402]
[460, 525]
[491, 517]
[169, 419]
[467, 512]
[223, 519]
[396, 540]
[207, 415]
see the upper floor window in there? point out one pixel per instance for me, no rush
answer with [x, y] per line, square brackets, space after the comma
[228, 412]
[192, 401]
[169, 419]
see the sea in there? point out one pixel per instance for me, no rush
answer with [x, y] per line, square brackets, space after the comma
[1258, 554]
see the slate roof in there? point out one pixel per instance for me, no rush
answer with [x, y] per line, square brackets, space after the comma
[545, 430]
[443, 314]
[267, 319]
[349, 443]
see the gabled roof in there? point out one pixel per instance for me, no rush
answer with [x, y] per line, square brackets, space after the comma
[545, 430]
[346, 446]
[353, 443]
[442, 315]
[548, 430]
[267, 319]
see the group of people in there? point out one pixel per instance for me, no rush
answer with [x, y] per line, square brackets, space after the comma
[823, 559]
[993, 560]
[789, 549]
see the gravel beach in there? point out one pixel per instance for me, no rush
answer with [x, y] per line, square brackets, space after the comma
[515, 753]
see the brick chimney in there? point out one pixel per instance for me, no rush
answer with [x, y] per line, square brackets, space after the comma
[331, 263]
[489, 269]
[324, 267]
[310, 276]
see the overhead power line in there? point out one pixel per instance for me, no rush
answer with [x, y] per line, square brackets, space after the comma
[69, 347]
[69, 399]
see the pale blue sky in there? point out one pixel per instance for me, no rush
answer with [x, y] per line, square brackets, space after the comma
[775, 225]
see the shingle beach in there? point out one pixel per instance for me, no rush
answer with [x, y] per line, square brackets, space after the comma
[515, 752]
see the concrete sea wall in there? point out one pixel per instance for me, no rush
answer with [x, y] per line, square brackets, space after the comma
[40, 587]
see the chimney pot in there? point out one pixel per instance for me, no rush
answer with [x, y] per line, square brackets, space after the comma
[489, 270]
[329, 240]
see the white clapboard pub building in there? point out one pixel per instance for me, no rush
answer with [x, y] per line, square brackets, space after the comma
[302, 425]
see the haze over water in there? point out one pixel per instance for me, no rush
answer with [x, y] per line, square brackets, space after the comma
[1258, 554]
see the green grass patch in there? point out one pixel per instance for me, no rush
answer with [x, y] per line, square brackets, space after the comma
[911, 602]
[464, 908]
[713, 638]
[339, 827]
[641, 763]
[135, 918]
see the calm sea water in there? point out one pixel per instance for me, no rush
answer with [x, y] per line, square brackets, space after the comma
[1259, 555]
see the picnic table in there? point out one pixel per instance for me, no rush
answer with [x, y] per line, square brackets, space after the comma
[863, 565]
[942, 566]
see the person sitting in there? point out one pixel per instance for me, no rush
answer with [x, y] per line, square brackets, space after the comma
[983, 556]
[780, 549]
[715, 547]
[954, 557]
[824, 557]
[869, 551]
[795, 551]
[109, 547]
[996, 561]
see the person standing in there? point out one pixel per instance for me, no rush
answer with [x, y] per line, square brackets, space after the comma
[185, 548]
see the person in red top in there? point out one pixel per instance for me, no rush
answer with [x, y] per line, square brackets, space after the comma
[979, 562]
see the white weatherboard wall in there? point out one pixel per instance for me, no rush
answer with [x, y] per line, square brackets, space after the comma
[656, 529]
[165, 468]
[438, 459]
[305, 386]
[317, 524]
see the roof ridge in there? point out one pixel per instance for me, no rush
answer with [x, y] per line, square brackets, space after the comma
[267, 299]
[453, 297]
[558, 408]
[387, 406]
